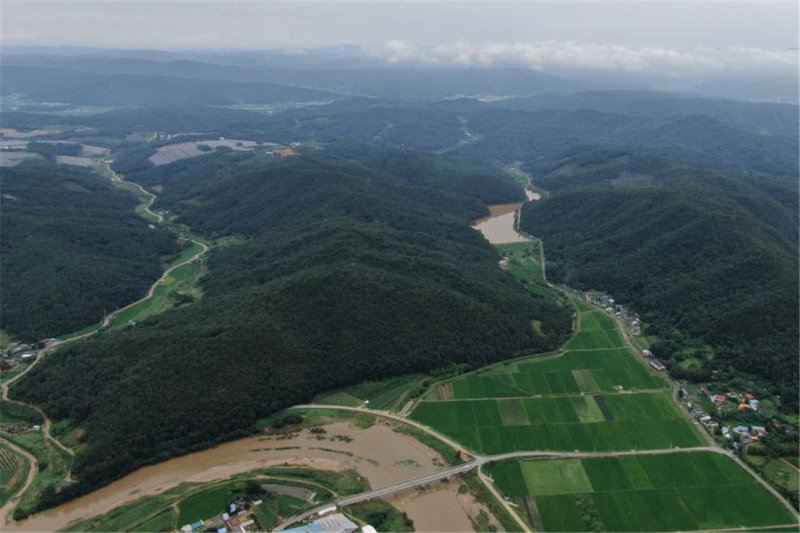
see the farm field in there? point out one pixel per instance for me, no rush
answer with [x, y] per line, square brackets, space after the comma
[687, 491]
[574, 372]
[588, 399]
[525, 264]
[13, 470]
[564, 423]
[175, 152]
[597, 330]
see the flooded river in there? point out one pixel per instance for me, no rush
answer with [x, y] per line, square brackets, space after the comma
[378, 453]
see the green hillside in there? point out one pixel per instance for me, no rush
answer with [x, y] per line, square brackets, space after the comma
[342, 274]
[695, 255]
[71, 249]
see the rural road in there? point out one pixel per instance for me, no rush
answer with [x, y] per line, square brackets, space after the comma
[5, 511]
[40, 354]
[151, 197]
[110, 317]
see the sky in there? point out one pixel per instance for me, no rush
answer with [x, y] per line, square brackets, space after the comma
[654, 36]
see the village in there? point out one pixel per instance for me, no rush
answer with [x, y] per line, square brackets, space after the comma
[710, 408]
[242, 516]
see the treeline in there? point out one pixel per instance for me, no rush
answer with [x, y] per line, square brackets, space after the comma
[701, 263]
[71, 249]
[345, 273]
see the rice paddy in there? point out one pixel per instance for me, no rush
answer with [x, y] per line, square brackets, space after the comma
[594, 396]
[687, 491]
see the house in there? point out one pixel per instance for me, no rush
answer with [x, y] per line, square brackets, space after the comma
[749, 396]
[187, 528]
[753, 405]
[744, 406]
[647, 353]
[655, 363]
[759, 431]
[740, 430]
[197, 526]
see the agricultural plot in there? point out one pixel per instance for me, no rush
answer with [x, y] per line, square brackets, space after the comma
[175, 152]
[526, 260]
[597, 331]
[687, 491]
[10, 464]
[575, 372]
[562, 423]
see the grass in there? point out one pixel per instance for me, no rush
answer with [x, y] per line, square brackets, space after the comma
[200, 501]
[388, 394]
[181, 284]
[203, 505]
[641, 493]
[11, 374]
[165, 521]
[479, 491]
[53, 468]
[84, 331]
[778, 472]
[526, 260]
[574, 372]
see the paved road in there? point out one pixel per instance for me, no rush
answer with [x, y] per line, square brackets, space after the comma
[480, 460]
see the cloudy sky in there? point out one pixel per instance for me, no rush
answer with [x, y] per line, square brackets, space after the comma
[654, 36]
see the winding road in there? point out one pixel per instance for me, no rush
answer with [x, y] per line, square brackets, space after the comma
[5, 511]
[479, 460]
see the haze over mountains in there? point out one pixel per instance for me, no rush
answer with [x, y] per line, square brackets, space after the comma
[341, 247]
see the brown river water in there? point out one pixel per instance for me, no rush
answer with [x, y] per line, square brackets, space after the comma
[378, 453]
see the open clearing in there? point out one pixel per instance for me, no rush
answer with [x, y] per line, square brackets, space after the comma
[175, 152]
[641, 493]
[74, 161]
[8, 159]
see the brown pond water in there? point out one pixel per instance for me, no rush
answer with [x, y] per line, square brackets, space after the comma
[498, 228]
[378, 453]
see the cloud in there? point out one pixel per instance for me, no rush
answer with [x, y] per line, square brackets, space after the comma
[571, 55]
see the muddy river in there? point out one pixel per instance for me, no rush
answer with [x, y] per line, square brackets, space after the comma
[378, 453]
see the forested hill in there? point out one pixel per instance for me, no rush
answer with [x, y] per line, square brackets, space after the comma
[343, 273]
[697, 254]
[71, 249]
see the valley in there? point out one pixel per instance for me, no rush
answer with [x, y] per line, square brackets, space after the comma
[250, 297]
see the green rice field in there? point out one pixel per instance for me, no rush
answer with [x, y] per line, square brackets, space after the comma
[574, 372]
[587, 423]
[597, 330]
[671, 492]
[601, 398]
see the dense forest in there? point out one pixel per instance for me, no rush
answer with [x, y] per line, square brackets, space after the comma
[71, 249]
[341, 273]
[705, 255]
[355, 260]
